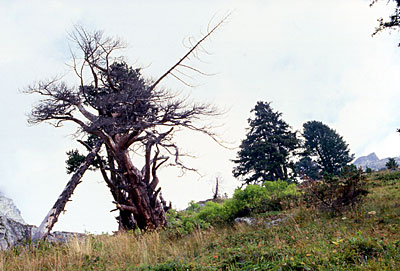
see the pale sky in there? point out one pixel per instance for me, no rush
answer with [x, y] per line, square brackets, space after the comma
[313, 59]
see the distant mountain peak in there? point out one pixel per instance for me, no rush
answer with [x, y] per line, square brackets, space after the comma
[370, 158]
[373, 156]
[372, 161]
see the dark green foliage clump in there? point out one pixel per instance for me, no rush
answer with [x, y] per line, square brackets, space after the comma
[394, 19]
[306, 168]
[264, 153]
[392, 164]
[75, 158]
[330, 151]
[359, 248]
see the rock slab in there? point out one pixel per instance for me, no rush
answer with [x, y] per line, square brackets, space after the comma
[14, 230]
[9, 210]
[15, 233]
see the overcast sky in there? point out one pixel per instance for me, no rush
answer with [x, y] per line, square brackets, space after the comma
[313, 59]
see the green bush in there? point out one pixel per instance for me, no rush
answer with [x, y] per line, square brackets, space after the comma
[213, 213]
[254, 199]
[364, 246]
[184, 222]
[271, 196]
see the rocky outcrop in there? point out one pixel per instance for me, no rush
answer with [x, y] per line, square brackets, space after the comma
[14, 230]
[9, 210]
[372, 161]
[63, 236]
[14, 233]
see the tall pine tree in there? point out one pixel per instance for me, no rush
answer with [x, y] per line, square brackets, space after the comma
[264, 153]
[329, 150]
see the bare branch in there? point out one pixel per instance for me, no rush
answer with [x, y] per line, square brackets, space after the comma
[123, 207]
[179, 79]
[190, 52]
[196, 70]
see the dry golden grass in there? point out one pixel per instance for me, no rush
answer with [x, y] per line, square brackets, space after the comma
[113, 252]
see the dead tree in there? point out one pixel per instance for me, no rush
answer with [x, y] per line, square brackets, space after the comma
[216, 193]
[130, 115]
[52, 217]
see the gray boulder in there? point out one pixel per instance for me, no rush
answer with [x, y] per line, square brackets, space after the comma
[251, 221]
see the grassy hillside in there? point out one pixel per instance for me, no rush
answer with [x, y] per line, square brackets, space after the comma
[365, 238]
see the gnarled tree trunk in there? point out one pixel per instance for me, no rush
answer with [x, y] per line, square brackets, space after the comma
[141, 197]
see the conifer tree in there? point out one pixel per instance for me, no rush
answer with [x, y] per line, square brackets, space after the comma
[264, 153]
[329, 150]
[392, 164]
[306, 168]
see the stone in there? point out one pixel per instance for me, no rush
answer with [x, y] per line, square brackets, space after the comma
[274, 222]
[251, 221]
[63, 236]
[9, 210]
[15, 231]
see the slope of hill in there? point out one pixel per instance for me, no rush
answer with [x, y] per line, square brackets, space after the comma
[363, 238]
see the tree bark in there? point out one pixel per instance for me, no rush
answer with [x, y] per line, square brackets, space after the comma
[51, 218]
[144, 205]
